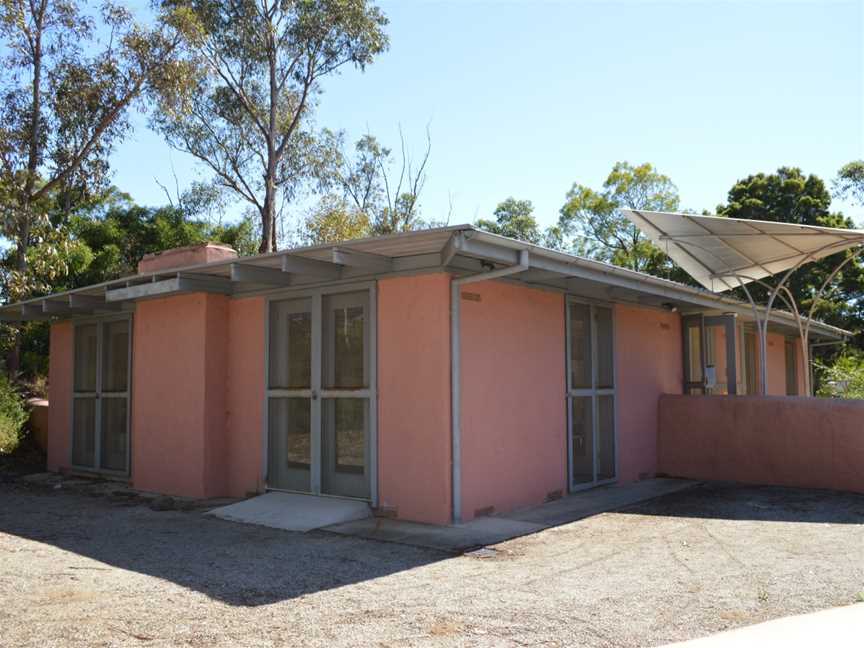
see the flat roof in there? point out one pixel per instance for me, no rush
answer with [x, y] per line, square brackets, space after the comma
[458, 249]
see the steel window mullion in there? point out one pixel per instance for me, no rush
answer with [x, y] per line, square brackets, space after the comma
[97, 461]
[592, 317]
[315, 403]
[372, 336]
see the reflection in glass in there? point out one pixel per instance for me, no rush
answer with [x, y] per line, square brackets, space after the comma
[580, 346]
[114, 437]
[115, 356]
[290, 443]
[84, 432]
[605, 437]
[345, 341]
[86, 346]
[604, 347]
[290, 345]
[582, 440]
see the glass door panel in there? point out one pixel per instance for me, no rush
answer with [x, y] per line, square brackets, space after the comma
[605, 438]
[291, 344]
[114, 434]
[320, 391]
[100, 403]
[84, 431]
[591, 394]
[290, 396]
[582, 431]
[603, 320]
[345, 447]
[290, 444]
[345, 394]
[580, 345]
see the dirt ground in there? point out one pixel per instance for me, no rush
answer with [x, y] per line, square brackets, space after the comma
[88, 571]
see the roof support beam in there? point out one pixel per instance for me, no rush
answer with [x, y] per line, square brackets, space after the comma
[92, 302]
[183, 282]
[258, 275]
[53, 307]
[33, 312]
[362, 260]
[313, 267]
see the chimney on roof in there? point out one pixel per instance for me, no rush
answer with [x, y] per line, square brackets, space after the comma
[186, 256]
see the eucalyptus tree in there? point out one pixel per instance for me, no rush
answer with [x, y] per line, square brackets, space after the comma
[373, 182]
[65, 97]
[849, 183]
[69, 76]
[591, 221]
[256, 68]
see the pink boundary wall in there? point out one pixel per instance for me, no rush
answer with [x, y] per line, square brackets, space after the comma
[414, 397]
[513, 422]
[784, 441]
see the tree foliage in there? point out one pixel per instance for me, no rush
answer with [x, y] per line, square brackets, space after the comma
[255, 69]
[591, 222]
[373, 183]
[333, 220]
[514, 218]
[65, 103]
[849, 184]
[843, 377]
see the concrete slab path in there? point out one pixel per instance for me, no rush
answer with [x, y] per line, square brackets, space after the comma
[838, 627]
[293, 512]
[484, 531]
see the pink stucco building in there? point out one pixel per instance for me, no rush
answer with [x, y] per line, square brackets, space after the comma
[440, 375]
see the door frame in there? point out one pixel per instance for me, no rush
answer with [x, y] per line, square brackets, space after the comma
[100, 320]
[594, 392]
[371, 393]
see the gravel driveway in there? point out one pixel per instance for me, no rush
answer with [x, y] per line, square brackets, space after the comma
[82, 571]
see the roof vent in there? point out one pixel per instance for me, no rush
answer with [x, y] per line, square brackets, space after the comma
[186, 256]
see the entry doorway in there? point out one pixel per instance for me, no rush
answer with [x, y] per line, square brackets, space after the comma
[592, 439]
[710, 355]
[102, 359]
[321, 394]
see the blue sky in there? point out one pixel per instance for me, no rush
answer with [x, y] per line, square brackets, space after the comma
[523, 99]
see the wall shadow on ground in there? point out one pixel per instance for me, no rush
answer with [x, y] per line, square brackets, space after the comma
[733, 501]
[237, 564]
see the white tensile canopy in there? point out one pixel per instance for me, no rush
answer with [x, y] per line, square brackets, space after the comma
[723, 253]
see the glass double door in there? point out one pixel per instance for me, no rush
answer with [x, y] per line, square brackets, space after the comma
[100, 397]
[590, 395]
[320, 394]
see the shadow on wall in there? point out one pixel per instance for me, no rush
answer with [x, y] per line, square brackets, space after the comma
[237, 564]
[731, 501]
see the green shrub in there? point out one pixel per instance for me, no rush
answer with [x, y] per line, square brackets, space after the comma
[13, 416]
[844, 378]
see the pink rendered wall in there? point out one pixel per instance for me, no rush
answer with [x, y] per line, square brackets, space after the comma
[785, 441]
[648, 363]
[414, 397]
[776, 365]
[178, 413]
[245, 357]
[60, 395]
[216, 345]
[513, 420]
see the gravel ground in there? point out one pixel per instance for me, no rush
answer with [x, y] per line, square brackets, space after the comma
[85, 571]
